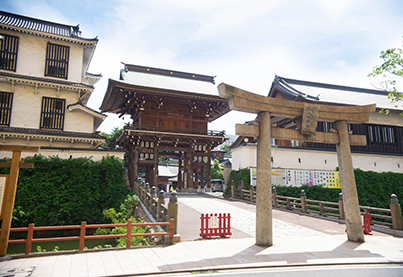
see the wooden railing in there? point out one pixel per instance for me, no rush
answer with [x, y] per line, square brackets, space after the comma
[391, 218]
[31, 229]
[176, 130]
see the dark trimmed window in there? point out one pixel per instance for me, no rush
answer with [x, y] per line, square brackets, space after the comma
[57, 60]
[52, 116]
[8, 52]
[381, 134]
[6, 101]
[327, 126]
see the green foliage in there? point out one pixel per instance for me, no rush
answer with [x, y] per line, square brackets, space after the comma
[374, 189]
[216, 171]
[67, 191]
[112, 137]
[388, 71]
[237, 176]
[124, 213]
[225, 148]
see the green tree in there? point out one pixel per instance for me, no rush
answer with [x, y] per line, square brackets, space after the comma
[225, 148]
[112, 137]
[216, 171]
[388, 72]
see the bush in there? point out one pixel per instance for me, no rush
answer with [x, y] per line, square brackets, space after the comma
[67, 191]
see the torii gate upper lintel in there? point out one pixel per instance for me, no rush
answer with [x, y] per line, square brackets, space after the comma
[307, 115]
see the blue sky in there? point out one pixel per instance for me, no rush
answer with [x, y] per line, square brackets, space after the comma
[243, 43]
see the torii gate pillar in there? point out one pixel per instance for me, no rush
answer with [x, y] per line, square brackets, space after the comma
[307, 116]
[348, 186]
[264, 224]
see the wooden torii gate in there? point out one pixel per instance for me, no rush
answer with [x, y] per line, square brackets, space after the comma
[306, 116]
[9, 188]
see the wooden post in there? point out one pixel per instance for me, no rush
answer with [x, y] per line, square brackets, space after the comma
[30, 236]
[82, 235]
[341, 206]
[208, 168]
[129, 234]
[303, 202]
[172, 224]
[396, 213]
[274, 194]
[251, 192]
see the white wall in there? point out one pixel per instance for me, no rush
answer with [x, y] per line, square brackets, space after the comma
[32, 55]
[295, 158]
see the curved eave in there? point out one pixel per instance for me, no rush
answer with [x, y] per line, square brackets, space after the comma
[72, 39]
[114, 97]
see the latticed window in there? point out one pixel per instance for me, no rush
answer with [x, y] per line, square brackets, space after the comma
[6, 101]
[52, 116]
[382, 134]
[57, 60]
[8, 52]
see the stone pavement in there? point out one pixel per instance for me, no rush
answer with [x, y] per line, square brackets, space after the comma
[298, 241]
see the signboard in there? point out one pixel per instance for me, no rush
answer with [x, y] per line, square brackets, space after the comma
[327, 179]
[253, 176]
[278, 177]
[297, 178]
[3, 182]
[213, 222]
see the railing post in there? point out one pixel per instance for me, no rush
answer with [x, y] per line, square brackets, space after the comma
[129, 234]
[146, 190]
[82, 235]
[171, 231]
[240, 186]
[232, 189]
[251, 192]
[153, 194]
[274, 196]
[322, 209]
[303, 202]
[289, 204]
[396, 213]
[161, 201]
[341, 206]
[30, 236]
[173, 209]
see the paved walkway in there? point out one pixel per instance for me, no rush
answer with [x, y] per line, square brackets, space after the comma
[315, 242]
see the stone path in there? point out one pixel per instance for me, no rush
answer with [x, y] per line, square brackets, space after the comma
[242, 219]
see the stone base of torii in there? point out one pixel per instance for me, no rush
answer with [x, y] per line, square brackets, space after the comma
[307, 116]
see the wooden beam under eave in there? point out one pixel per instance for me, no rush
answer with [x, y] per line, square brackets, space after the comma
[22, 148]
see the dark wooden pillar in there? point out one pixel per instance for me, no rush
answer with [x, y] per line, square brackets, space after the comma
[136, 163]
[190, 170]
[130, 170]
[180, 168]
[155, 167]
[208, 168]
[185, 172]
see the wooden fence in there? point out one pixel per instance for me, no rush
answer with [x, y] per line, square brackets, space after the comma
[31, 229]
[391, 218]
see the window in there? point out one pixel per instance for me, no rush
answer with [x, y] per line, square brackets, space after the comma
[6, 100]
[327, 126]
[381, 134]
[8, 52]
[57, 60]
[52, 116]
